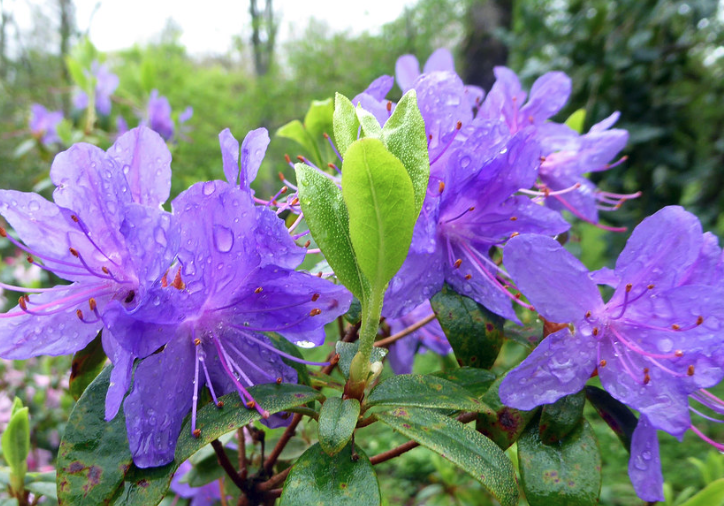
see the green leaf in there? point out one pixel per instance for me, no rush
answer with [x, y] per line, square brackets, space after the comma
[337, 421]
[87, 364]
[475, 334]
[368, 122]
[281, 344]
[320, 480]
[567, 473]
[404, 135]
[346, 124]
[576, 120]
[461, 445]
[505, 425]
[347, 351]
[16, 446]
[380, 203]
[712, 495]
[417, 390]
[476, 381]
[94, 462]
[17, 405]
[77, 73]
[617, 415]
[24, 147]
[295, 131]
[561, 417]
[147, 75]
[326, 216]
[319, 121]
[43, 488]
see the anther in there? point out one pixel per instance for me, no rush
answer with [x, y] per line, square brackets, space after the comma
[542, 158]
[105, 269]
[458, 263]
[279, 381]
[629, 287]
[471, 209]
[74, 252]
[700, 320]
[79, 314]
[258, 290]
[514, 234]
[164, 279]
[197, 341]
[459, 125]
[178, 283]
[389, 106]
[197, 433]
[315, 297]
[74, 218]
[306, 244]
[676, 327]
[319, 274]
[595, 331]
[315, 312]
[531, 119]
[517, 295]
[288, 159]
[283, 190]
[468, 276]
[92, 304]
[513, 218]
[294, 202]
[300, 158]
[30, 259]
[603, 363]
[588, 314]
[441, 187]
[679, 353]
[429, 137]
[220, 404]
[3, 232]
[325, 135]
[281, 174]
[22, 303]
[251, 405]
[690, 370]
[650, 287]
[647, 379]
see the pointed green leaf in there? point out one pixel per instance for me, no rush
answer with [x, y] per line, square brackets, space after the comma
[337, 421]
[476, 381]
[17, 404]
[567, 473]
[404, 135]
[505, 425]
[576, 120]
[381, 206]
[295, 131]
[461, 445]
[561, 417]
[346, 124]
[616, 414]
[347, 351]
[369, 124]
[417, 390]
[87, 364]
[320, 480]
[711, 495]
[319, 121]
[16, 445]
[475, 334]
[326, 215]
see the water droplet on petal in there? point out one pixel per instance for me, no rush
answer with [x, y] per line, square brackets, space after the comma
[223, 239]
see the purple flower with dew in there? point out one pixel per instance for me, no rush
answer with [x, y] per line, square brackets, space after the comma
[234, 280]
[106, 233]
[656, 342]
[43, 124]
[429, 337]
[158, 115]
[208, 495]
[106, 84]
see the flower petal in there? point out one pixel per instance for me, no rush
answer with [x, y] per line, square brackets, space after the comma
[274, 243]
[230, 156]
[146, 163]
[560, 365]
[402, 355]
[644, 466]
[548, 95]
[440, 60]
[407, 69]
[253, 149]
[552, 279]
[120, 374]
[606, 123]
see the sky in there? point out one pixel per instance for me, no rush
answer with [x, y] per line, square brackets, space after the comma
[118, 24]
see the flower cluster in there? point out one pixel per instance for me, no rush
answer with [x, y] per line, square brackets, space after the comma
[106, 83]
[44, 124]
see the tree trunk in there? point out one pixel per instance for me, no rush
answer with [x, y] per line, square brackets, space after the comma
[482, 49]
[263, 37]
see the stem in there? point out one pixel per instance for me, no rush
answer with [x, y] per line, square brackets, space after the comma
[301, 410]
[395, 452]
[409, 330]
[288, 433]
[241, 443]
[371, 312]
[272, 482]
[226, 465]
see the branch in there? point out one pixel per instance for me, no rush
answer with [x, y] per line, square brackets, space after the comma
[288, 433]
[225, 463]
[409, 330]
[272, 482]
[241, 442]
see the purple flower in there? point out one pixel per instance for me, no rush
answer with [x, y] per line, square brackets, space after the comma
[234, 280]
[207, 495]
[105, 233]
[430, 337]
[158, 115]
[655, 342]
[373, 99]
[43, 124]
[106, 84]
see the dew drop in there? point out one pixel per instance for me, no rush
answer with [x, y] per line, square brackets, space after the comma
[305, 344]
[223, 238]
[209, 187]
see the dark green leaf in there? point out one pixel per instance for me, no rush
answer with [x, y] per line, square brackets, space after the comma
[417, 390]
[337, 421]
[87, 364]
[561, 417]
[404, 135]
[354, 314]
[347, 351]
[506, 424]
[475, 334]
[320, 480]
[381, 207]
[567, 473]
[281, 344]
[476, 381]
[617, 415]
[326, 215]
[346, 124]
[461, 445]
[94, 462]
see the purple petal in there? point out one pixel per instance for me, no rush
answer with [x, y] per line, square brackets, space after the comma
[605, 276]
[402, 355]
[62, 333]
[253, 149]
[407, 69]
[483, 141]
[440, 60]
[606, 123]
[230, 156]
[474, 95]
[380, 87]
[120, 374]
[378, 108]
[644, 466]
[146, 163]
[186, 115]
[552, 279]
[557, 137]
[708, 266]
[182, 489]
[599, 148]
[661, 249]
[560, 365]
[159, 115]
[548, 95]
[504, 99]
[274, 243]
[160, 399]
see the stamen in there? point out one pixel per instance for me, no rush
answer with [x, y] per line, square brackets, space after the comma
[164, 279]
[306, 245]
[279, 352]
[195, 398]
[546, 192]
[576, 213]
[333, 166]
[178, 283]
[258, 290]
[458, 126]
[209, 385]
[334, 148]
[441, 187]
[315, 312]
[468, 210]
[458, 263]
[716, 445]
[602, 363]
[690, 370]
[315, 297]
[296, 223]
[289, 161]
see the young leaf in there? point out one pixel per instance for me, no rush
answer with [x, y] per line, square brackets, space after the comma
[347, 351]
[463, 446]
[381, 206]
[337, 421]
[317, 122]
[87, 364]
[369, 124]
[319, 479]
[326, 216]
[565, 473]
[404, 135]
[711, 495]
[16, 446]
[295, 131]
[346, 124]
[576, 120]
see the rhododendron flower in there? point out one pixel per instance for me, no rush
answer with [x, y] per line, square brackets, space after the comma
[43, 124]
[106, 84]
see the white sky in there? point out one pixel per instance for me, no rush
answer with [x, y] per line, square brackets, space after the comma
[208, 26]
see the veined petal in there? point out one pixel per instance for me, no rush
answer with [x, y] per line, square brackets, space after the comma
[548, 95]
[230, 156]
[552, 279]
[274, 243]
[599, 148]
[380, 87]
[707, 269]
[253, 149]
[560, 365]
[644, 466]
[120, 375]
[440, 60]
[146, 162]
[407, 69]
